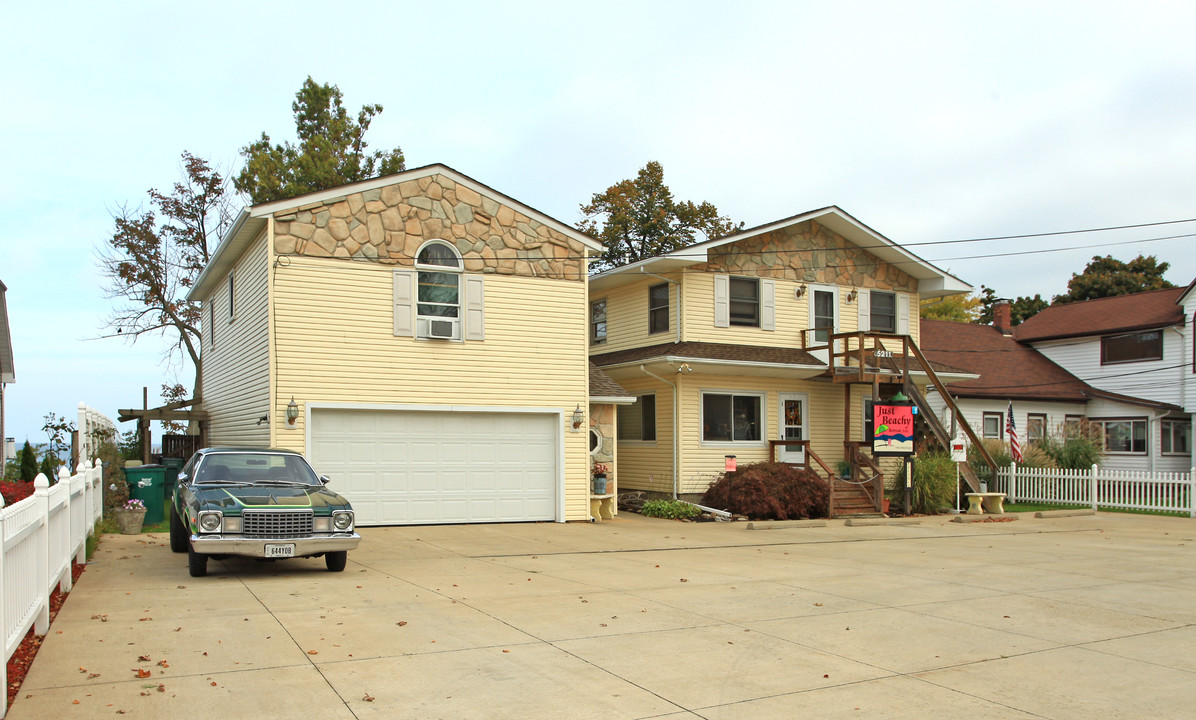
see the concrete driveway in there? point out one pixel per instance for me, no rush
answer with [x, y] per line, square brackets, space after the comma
[1085, 617]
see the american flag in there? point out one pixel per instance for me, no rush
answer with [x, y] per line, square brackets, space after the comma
[1015, 449]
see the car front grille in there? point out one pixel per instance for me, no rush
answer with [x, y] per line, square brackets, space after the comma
[276, 523]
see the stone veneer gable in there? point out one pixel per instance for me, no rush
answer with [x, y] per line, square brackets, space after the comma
[389, 224]
[808, 252]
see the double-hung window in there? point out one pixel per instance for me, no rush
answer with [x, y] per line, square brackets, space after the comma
[1036, 427]
[597, 322]
[732, 418]
[883, 311]
[638, 421]
[438, 291]
[1177, 437]
[658, 308]
[745, 301]
[993, 423]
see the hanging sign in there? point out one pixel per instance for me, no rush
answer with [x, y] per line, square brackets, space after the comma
[892, 429]
[959, 449]
[730, 465]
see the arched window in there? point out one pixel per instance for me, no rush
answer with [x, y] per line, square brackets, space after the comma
[438, 297]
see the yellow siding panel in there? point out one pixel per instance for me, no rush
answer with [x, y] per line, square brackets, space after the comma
[336, 344]
[649, 465]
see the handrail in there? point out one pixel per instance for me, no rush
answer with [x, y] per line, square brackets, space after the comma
[859, 459]
[963, 422]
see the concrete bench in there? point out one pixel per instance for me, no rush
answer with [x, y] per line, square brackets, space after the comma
[987, 502]
[602, 507]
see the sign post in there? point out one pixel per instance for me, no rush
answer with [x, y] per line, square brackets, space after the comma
[959, 453]
[893, 436]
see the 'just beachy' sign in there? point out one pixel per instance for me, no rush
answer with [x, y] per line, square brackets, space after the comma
[892, 429]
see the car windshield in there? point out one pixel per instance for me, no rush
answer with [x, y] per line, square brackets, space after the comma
[255, 468]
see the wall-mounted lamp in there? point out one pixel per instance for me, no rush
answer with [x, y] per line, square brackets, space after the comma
[801, 290]
[578, 418]
[292, 412]
[851, 296]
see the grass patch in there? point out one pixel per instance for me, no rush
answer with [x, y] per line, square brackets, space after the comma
[161, 527]
[1046, 507]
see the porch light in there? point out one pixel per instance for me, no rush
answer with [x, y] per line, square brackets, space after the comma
[578, 418]
[899, 397]
[292, 411]
[851, 296]
[801, 290]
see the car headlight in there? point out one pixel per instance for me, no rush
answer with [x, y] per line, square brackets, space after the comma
[210, 521]
[342, 520]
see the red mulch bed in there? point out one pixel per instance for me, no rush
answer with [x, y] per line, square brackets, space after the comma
[18, 664]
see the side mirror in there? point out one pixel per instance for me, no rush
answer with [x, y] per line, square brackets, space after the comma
[182, 478]
[325, 479]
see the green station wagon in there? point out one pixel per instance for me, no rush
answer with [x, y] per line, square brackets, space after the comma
[257, 503]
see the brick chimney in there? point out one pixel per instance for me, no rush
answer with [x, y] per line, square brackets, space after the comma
[1003, 317]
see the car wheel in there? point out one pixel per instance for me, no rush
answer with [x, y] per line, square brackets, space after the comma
[197, 562]
[178, 532]
[336, 560]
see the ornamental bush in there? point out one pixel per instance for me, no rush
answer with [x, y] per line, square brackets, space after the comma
[14, 492]
[770, 491]
[933, 488]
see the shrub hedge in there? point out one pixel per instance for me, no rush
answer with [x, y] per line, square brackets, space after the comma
[770, 491]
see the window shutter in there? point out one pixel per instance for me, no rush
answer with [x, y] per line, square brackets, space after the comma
[864, 306]
[902, 314]
[722, 301]
[475, 316]
[404, 301]
[768, 304]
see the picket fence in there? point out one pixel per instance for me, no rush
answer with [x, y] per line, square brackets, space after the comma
[38, 538]
[1100, 488]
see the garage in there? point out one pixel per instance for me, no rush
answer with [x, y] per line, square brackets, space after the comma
[415, 467]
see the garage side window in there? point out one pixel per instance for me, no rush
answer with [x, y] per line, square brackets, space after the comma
[638, 421]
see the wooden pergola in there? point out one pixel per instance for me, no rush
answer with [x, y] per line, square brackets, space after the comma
[171, 411]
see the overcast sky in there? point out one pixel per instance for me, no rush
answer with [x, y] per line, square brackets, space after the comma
[926, 121]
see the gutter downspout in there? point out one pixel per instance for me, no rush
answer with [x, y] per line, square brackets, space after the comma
[679, 313]
[676, 443]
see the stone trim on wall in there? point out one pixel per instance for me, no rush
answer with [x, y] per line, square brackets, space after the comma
[388, 225]
[808, 252]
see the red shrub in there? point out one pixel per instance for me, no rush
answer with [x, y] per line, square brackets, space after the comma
[770, 491]
[15, 491]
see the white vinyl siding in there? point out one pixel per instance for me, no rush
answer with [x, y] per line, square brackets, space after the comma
[1159, 380]
[236, 372]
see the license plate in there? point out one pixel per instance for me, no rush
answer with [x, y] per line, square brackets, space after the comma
[282, 550]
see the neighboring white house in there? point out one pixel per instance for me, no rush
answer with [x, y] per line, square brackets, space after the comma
[1124, 363]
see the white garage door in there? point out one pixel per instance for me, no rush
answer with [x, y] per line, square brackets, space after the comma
[420, 467]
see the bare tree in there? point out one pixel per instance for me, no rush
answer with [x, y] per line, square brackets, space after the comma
[154, 257]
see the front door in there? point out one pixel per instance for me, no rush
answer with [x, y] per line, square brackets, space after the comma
[793, 425]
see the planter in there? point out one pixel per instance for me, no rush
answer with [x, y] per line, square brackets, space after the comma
[598, 485]
[886, 502]
[130, 521]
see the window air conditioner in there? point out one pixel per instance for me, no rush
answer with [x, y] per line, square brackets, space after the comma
[441, 329]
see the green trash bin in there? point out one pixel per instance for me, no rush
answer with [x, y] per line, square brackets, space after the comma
[147, 483]
[173, 466]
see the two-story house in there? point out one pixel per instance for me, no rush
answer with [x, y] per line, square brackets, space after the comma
[730, 345]
[1137, 352]
[421, 337]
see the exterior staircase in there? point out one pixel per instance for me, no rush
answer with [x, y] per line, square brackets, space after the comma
[892, 361]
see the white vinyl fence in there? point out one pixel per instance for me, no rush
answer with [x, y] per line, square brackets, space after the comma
[38, 538]
[1100, 488]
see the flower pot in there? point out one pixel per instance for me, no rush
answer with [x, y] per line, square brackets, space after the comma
[598, 486]
[886, 502]
[130, 521]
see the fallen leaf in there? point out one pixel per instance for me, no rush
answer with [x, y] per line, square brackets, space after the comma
[161, 688]
[144, 619]
[684, 580]
[142, 672]
[92, 675]
[313, 652]
[213, 683]
[143, 658]
[74, 702]
[163, 663]
[401, 623]
[506, 651]
[368, 698]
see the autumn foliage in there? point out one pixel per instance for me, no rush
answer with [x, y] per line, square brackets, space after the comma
[14, 492]
[770, 491]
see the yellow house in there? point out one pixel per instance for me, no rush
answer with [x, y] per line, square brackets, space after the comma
[421, 337]
[730, 346]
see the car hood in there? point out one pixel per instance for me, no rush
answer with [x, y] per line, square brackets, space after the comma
[235, 498]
